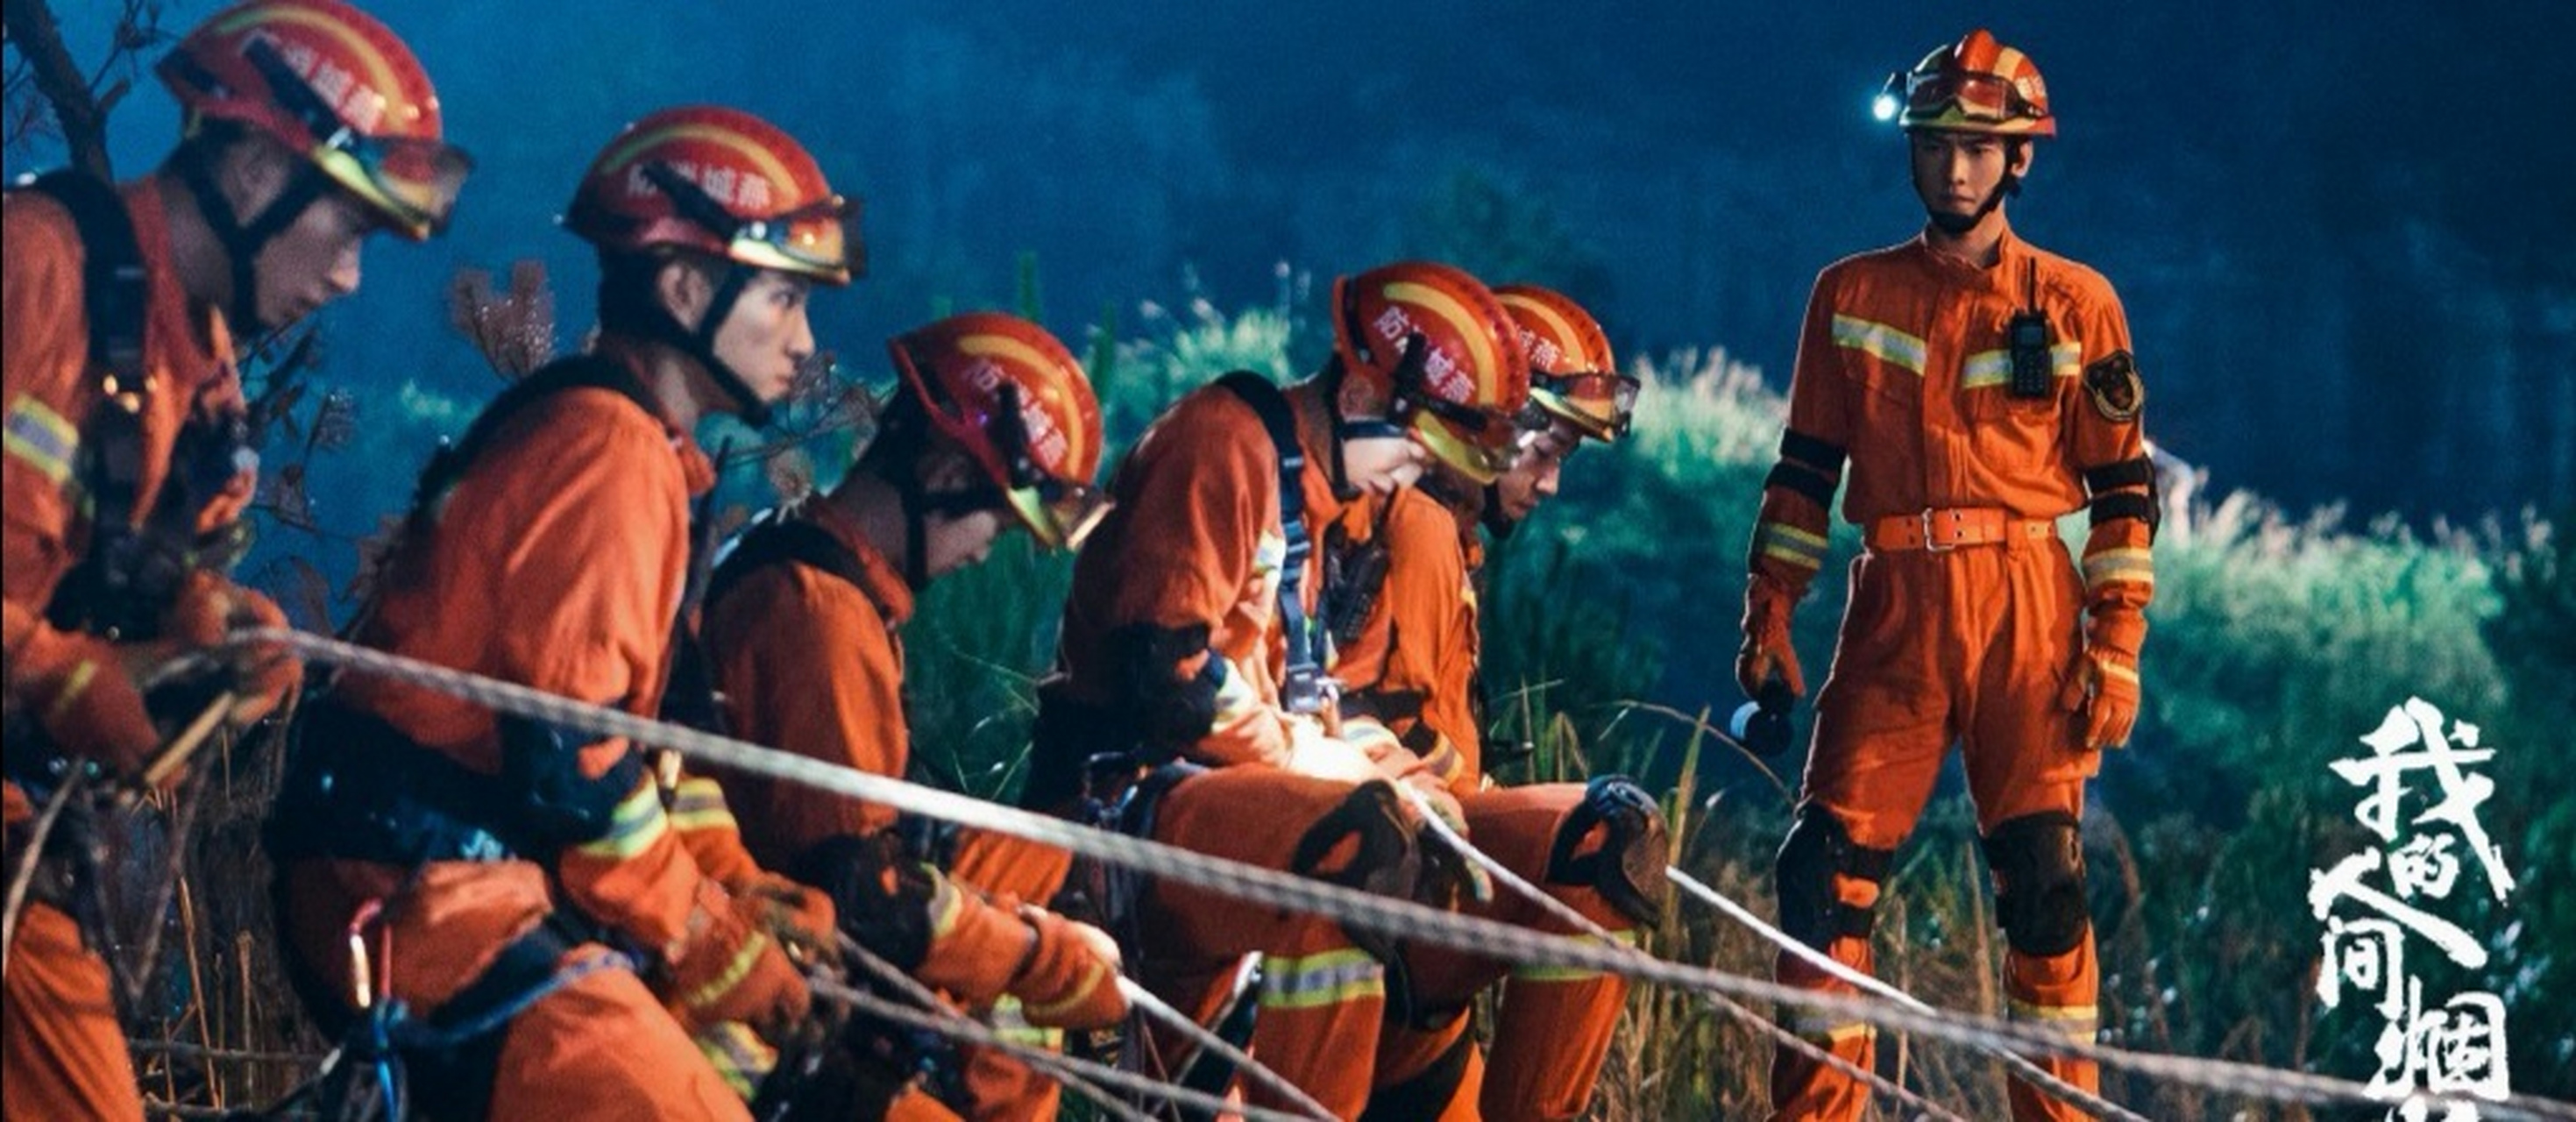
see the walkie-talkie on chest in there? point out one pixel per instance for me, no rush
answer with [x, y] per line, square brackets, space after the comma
[2028, 335]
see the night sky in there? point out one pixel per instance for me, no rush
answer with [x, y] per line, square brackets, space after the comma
[2345, 232]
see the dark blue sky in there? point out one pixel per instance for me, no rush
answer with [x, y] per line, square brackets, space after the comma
[2345, 232]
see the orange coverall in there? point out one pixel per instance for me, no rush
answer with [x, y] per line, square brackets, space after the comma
[63, 1048]
[814, 665]
[1415, 660]
[557, 561]
[1904, 365]
[1195, 540]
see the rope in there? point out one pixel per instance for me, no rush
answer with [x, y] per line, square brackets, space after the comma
[1153, 1008]
[948, 1020]
[1072, 1071]
[2030, 1072]
[1565, 913]
[1396, 918]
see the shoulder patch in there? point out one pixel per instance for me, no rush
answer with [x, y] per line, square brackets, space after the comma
[2112, 382]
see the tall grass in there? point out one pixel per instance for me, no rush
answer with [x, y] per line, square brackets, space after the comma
[1611, 620]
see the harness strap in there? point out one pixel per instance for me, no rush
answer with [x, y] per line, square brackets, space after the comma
[1302, 687]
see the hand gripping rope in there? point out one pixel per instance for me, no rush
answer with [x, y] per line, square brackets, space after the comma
[1396, 918]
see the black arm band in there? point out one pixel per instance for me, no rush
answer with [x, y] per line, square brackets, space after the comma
[1799, 478]
[2124, 504]
[1825, 457]
[2136, 472]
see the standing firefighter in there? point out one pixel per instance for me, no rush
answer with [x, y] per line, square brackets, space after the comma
[308, 126]
[1192, 662]
[993, 425]
[494, 893]
[1404, 611]
[1980, 389]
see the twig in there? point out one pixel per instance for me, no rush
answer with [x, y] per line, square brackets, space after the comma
[1700, 724]
[24, 875]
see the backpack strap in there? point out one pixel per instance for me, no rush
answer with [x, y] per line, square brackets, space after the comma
[114, 294]
[1303, 688]
[775, 539]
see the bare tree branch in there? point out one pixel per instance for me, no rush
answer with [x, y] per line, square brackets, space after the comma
[32, 30]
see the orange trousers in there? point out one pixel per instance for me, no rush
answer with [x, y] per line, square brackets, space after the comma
[1552, 1029]
[600, 1048]
[1323, 997]
[1971, 645]
[60, 1042]
[999, 1088]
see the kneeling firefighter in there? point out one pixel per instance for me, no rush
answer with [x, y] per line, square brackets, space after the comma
[1404, 610]
[125, 463]
[1190, 688]
[992, 425]
[501, 903]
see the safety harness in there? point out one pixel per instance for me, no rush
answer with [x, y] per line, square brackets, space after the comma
[1303, 689]
[127, 577]
[357, 788]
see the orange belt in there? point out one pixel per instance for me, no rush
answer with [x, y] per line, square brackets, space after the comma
[1940, 530]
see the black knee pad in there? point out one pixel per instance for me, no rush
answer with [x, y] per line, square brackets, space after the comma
[1388, 861]
[1628, 869]
[2039, 882]
[1817, 848]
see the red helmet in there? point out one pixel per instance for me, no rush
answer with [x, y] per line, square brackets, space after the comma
[328, 81]
[1974, 85]
[1445, 352]
[1013, 397]
[1572, 374]
[722, 182]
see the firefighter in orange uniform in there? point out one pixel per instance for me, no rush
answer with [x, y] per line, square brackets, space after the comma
[308, 126]
[1191, 654]
[993, 425]
[1404, 610]
[1979, 389]
[504, 897]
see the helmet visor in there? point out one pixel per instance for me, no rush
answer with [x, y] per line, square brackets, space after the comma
[413, 181]
[1060, 515]
[1982, 96]
[1600, 404]
[815, 240]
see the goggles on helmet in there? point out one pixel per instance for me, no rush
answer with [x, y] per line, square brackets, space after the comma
[811, 238]
[412, 179]
[1578, 392]
[1990, 96]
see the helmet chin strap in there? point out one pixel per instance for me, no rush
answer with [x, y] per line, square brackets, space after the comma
[655, 322]
[242, 241]
[1497, 522]
[1957, 225]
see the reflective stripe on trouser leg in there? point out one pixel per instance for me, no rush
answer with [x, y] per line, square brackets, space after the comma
[1802, 1088]
[1321, 1006]
[998, 1087]
[1551, 1036]
[2057, 992]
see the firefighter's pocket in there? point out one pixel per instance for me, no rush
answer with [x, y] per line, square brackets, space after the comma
[1889, 385]
[1997, 405]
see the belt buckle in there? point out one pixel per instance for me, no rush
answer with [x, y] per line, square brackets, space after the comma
[1932, 544]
